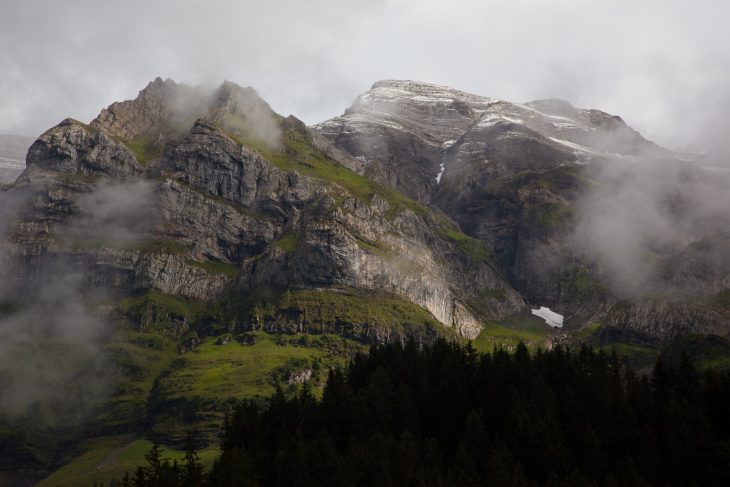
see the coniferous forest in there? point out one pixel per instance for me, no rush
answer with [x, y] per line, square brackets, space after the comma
[447, 415]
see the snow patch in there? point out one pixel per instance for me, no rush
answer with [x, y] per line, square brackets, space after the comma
[573, 145]
[551, 317]
[568, 125]
[493, 119]
[432, 99]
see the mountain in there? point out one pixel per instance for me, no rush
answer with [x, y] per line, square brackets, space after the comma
[188, 225]
[190, 247]
[12, 156]
[405, 130]
[531, 181]
[231, 186]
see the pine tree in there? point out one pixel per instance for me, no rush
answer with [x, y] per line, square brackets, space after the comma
[192, 471]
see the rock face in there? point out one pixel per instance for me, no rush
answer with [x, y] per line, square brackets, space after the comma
[206, 195]
[421, 212]
[162, 107]
[211, 195]
[401, 131]
[74, 149]
[397, 131]
[517, 177]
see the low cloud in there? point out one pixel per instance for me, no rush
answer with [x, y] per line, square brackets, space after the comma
[113, 213]
[52, 330]
[50, 348]
[663, 65]
[638, 212]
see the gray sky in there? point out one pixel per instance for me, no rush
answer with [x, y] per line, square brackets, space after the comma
[663, 65]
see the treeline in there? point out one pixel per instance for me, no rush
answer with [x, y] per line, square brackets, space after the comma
[447, 415]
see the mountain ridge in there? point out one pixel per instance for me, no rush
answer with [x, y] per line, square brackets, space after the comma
[515, 176]
[200, 229]
[60, 148]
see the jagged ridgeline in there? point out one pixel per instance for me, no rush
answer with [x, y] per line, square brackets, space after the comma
[583, 214]
[192, 247]
[212, 196]
[201, 248]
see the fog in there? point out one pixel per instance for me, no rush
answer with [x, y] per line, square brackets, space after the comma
[50, 349]
[112, 214]
[52, 324]
[635, 213]
[663, 65]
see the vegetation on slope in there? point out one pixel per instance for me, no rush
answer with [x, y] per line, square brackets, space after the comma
[365, 316]
[446, 415]
[146, 148]
[533, 332]
[298, 153]
[104, 458]
[162, 394]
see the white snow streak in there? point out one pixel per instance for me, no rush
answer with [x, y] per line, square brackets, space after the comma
[444, 147]
[441, 172]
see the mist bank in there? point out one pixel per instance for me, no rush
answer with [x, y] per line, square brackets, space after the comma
[53, 316]
[639, 216]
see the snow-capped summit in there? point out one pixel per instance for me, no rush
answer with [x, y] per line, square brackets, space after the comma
[398, 128]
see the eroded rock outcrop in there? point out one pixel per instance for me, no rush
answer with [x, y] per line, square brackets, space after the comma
[518, 177]
[197, 195]
[200, 194]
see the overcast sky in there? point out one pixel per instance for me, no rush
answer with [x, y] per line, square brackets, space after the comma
[663, 65]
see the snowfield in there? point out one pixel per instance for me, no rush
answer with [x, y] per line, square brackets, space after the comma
[551, 317]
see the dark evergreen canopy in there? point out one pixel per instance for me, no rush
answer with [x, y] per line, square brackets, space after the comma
[446, 415]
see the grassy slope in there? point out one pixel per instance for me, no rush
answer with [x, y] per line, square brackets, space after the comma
[234, 370]
[355, 312]
[637, 356]
[162, 392]
[145, 148]
[216, 373]
[156, 375]
[101, 459]
[299, 154]
[525, 328]
[141, 358]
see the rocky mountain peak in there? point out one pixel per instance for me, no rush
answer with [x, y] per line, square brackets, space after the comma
[165, 106]
[158, 89]
[423, 105]
[243, 112]
[400, 129]
[75, 148]
[236, 100]
[158, 106]
[401, 90]
[507, 173]
[165, 111]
